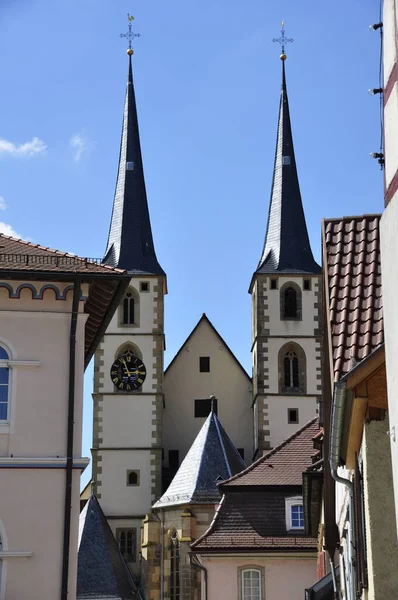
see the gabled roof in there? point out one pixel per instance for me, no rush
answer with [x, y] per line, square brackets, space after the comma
[211, 458]
[205, 319]
[351, 255]
[287, 247]
[130, 243]
[283, 465]
[21, 260]
[102, 573]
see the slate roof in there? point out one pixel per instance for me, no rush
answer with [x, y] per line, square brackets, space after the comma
[351, 254]
[283, 465]
[287, 247]
[252, 521]
[130, 243]
[102, 573]
[211, 458]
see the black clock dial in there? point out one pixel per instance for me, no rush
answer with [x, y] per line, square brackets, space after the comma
[128, 372]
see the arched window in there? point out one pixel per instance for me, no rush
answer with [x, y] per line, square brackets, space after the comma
[290, 303]
[133, 478]
[291, 371]
[4, 385]
[126, 539]
[129, 310]
[174, 568]
[251, 584]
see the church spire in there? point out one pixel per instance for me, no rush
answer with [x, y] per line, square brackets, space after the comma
[287, 246]
[130, 243]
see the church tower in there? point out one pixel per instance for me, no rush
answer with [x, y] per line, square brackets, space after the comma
[286, 310]
[128, 367]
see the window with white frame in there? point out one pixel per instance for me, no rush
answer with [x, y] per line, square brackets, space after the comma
[251, 584]
[294, 513]
[4, 385]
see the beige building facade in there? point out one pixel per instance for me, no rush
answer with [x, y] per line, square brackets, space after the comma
[205, 366]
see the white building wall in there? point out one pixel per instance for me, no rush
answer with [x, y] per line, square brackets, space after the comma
[184, 383]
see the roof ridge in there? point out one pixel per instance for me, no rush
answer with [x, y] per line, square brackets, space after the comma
[352, 217]
[270, 453]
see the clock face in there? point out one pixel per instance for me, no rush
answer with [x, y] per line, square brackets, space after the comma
[128, 372]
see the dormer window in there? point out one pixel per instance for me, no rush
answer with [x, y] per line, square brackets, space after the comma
[130, 165]
[294, 513]
[285, 161]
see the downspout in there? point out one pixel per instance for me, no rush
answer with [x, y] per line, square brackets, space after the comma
[69, 444]
[196, 565]
[336, 432]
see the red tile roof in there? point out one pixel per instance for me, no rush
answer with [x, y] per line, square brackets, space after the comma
[284, 464]
[351, 254]
[252, 521]
[20, 255]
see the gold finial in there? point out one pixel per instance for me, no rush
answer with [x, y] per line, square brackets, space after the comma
[282, 40]
[130, 35]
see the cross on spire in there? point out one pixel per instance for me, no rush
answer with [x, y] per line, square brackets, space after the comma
[282, 40]
[130, 35]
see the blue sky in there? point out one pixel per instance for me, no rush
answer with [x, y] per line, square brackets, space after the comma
[207, 79]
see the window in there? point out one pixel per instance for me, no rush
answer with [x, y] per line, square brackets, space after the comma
[174, 568]
[274, 284]
[241, 452]
[4, 385]
[128, 309]
[144, 286]
[133, 478]
[251, 584]
[294, 513]
[127, 542]
[290, 303]
[204, 364]
[291, 371]
[203, 407]
[307, 284]
[174, 459]
[285, 161]
[292, 415]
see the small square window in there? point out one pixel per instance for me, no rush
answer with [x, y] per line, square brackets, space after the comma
[285, 161]
[292, 415]
[144, 286]
[133, 478]
[203, 407]
[274, 284]
[307, 284]
[130, 165]
[204, 364]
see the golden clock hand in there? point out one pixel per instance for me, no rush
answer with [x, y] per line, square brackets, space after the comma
[124, 362]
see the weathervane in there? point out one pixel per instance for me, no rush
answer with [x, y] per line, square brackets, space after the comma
[130, 35]
[282, 40]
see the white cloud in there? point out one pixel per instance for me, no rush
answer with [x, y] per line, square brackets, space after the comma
[8, 230]
[80, 144]
[26, 150]
[3, 204]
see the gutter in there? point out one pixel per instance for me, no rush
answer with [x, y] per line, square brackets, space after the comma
[336, 434]
[193, 559]
[70, 436]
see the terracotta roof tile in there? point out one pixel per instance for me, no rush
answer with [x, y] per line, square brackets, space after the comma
[252, 521]
[353, 288]
[284, 464]
[20, 255]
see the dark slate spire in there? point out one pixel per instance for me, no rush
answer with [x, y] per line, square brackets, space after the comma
[287, 246]
[130, 244]
[101, 569]
[212, 458]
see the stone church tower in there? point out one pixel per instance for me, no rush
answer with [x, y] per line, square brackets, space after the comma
[128, 367]
[286, 311]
